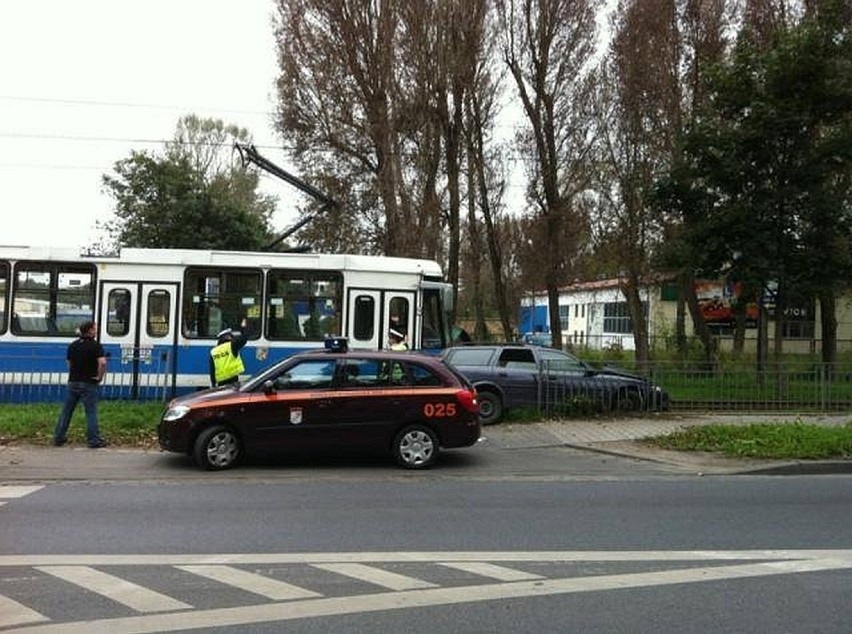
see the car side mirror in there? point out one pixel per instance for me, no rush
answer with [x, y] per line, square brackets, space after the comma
[269, 387]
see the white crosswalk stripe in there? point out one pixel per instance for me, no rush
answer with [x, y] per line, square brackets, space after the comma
[133, 596]
[376, 576]
[160, 613]
[9, 492]
[13, 613]
[484, 569]
[251, 582]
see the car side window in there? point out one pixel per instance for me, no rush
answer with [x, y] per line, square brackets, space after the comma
[362, 373]
[393, 373]
[470, 356]
[517, 359]
[424, 377]
[309, 374]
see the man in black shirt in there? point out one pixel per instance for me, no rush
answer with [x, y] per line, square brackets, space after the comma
[86, 369]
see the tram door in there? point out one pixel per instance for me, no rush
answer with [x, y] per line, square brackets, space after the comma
[372, 313]
[138, 329]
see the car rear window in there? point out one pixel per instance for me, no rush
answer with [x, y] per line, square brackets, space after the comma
[424, 377]
[470, 356]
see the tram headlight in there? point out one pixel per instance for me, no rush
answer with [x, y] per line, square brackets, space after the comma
[175, 413]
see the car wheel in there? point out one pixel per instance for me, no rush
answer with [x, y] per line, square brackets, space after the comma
[416, 447]
[217, 448]
[490, 408]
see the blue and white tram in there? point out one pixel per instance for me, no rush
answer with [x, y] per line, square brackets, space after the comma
[159, 310]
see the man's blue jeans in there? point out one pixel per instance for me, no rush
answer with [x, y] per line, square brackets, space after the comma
[79, 391]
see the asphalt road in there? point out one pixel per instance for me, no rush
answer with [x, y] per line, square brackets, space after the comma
[678, 553]
[538, 528]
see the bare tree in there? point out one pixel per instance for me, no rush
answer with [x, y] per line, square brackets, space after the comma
[345, 89]
[655, 75]
[547, 46]
[642, 102]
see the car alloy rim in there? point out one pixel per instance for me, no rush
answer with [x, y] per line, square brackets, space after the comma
[416, 447]
[222, 449]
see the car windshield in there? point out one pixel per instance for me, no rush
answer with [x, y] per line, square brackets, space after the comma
[557, 361]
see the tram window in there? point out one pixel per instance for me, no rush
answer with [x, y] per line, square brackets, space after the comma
[434, 331]
[364, 326]
[303, 305]
[118, 311]
[399, 315]
[159, 316]
[216, 299]
[51, 299]
[4, 277]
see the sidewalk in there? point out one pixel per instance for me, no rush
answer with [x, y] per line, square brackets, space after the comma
[617, 437]
[622, 437]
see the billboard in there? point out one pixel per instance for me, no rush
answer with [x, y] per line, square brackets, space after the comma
[716, 301]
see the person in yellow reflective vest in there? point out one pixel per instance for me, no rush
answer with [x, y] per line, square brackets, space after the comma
[226, 366]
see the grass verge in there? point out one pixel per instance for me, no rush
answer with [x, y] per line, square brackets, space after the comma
[780, 441]
[122, 423]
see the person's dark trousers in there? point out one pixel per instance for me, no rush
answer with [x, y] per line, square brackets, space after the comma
[88, 394]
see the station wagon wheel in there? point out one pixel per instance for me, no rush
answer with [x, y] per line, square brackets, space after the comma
[216, 448]
[416, 447]
[490, 408]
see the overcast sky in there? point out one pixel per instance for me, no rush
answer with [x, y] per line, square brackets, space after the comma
[84, 82]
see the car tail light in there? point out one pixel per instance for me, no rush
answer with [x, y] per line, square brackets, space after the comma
[467, 399]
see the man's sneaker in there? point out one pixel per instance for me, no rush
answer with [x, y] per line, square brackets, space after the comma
[98, 445]
[59, 443]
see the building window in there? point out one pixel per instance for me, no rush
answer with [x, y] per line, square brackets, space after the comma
[799, 321]
[617, 318]
[564, 312]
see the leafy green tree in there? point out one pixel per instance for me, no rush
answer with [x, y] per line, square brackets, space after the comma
[764, 177]
[191, 197]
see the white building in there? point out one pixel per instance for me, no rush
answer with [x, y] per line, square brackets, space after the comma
[595, 315]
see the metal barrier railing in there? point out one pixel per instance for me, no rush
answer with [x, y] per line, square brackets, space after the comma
[791, 386]
[33, 378]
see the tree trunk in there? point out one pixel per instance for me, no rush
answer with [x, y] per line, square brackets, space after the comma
[476, 153]
[475, 264]
[632, 293]
[828, 323]
[680, 315]
[702, 330]
[451, 154]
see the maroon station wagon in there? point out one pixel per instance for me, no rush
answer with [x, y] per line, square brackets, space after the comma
[403, 403]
